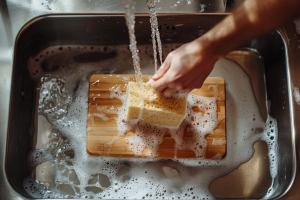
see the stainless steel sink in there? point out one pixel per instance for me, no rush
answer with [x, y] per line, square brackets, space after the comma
[264, 59]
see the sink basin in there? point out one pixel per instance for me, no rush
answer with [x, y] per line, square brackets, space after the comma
[264, 59]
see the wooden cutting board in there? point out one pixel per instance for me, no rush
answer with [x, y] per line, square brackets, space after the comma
[102, 136]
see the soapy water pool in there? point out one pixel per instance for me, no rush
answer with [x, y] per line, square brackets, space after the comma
[61, 167]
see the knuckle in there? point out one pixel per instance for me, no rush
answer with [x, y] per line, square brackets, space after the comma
[171, 54]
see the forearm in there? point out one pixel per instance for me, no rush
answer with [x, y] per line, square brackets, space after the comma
[251, 19]
[187, 67]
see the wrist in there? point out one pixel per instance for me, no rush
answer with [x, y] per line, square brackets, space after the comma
[211, 47]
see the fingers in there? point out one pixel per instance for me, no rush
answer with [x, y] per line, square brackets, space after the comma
[169, 91]
[163, 69]
[168, 84]
[161, 84]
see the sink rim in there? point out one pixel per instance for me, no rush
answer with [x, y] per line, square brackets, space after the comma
[292, 109]
[289, 82]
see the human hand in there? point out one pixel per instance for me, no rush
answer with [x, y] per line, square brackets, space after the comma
[185, 68]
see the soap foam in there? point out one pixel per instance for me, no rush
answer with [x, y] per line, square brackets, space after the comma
[102, 116]
[53, 100]
[296, 95]
[75, 170]
[218, 142]
[297, 25]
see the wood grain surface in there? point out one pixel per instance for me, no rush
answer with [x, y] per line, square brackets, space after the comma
[102, 136]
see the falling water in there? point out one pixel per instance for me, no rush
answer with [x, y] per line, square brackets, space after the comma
[154, 32]
[130, 21]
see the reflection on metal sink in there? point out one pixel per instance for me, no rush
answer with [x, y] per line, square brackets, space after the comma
[264, 59]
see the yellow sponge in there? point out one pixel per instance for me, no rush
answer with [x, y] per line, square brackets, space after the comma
[149, 106]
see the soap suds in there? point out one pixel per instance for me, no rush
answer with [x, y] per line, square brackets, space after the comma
[75, 170]
[97, 81]
[296, 95]
[297, 25]
[218, 142]
[54, 98]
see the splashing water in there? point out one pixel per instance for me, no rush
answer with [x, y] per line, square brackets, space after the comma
[154, 32]
[53, 92]
[130, 22]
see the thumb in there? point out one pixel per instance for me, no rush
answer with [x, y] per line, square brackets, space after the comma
[161, 84]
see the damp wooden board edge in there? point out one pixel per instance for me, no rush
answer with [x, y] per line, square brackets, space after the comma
[100, 134]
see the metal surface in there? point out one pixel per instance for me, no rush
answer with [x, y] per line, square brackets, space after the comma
[280, 74]
[249, 184]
